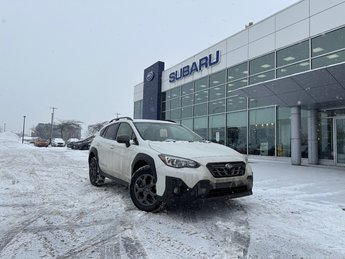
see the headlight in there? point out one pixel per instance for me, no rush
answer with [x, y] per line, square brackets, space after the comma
[178, 162]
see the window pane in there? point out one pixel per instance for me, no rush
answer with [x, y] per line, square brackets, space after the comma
[187, 100]
[293, 54]
[217, 92]
[261, 64]
[201, 84]
[261, 77]
[328, 60]
[261, 132]
[138, 109]
[293, 69]
[283, 132]
[217, 79]
[187, 112]
[175, 114]
[200, 126]
[328, 42]
[200, 109]
[201, 96]
[237, 84]
[217, 129]
[188, 88]
[238, 72]
[175, 103]
[188, 123]
[175, 92]
[237, 131]
[236, 102]
[168, 95]
[217, 106]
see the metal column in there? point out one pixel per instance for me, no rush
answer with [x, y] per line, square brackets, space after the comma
[296, 135]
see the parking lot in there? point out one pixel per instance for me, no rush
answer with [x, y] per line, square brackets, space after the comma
[48, 209]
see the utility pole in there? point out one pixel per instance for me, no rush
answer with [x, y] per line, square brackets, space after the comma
[51, 124]
[117, 114]
[23, 129]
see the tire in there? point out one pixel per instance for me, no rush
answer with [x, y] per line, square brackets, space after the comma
[143, 190]
[96, 178]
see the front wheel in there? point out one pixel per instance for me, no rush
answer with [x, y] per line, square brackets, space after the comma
[143, 190]
[96, 178]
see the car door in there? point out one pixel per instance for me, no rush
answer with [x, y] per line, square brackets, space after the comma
[125, 155]
[105, 148]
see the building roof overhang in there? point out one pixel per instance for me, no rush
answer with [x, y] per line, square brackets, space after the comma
[315, 89]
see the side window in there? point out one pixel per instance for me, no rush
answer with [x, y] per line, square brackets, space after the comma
[110, 132]
[126, 129]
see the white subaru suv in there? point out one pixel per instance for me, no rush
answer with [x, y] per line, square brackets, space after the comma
[164, 162]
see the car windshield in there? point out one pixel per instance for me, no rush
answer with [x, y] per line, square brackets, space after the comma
[166, 132]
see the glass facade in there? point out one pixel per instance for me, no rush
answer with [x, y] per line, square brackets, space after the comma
[213, 107]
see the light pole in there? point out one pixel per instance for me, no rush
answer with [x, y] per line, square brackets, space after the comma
[117, 114]
[23, 129]
[51, 125]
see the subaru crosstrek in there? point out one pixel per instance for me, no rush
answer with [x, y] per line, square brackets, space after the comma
[164, 162]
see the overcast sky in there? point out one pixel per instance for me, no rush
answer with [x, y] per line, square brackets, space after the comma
[85, 56]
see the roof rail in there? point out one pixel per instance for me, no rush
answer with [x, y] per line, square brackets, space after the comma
[171, 121]
[120, 118]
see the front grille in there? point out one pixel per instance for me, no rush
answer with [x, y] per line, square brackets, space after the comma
[229, 169]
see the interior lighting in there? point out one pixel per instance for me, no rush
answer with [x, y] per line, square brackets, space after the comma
[266, 66]
[230, 84]
[304, 64]
[245, 72]
[230, 77]
[317, 50]
[289, 58]
[202, 86]
[244, 80]
[215, 82]
[261, 76]
[333, 56]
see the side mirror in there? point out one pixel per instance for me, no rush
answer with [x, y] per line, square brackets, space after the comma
[123, 139]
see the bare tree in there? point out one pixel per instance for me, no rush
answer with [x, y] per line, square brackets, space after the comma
[94, 128]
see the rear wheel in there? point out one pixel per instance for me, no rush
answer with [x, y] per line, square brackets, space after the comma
[143, 190]
[96, 178]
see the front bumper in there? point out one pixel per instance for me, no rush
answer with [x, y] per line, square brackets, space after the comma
[177, 190]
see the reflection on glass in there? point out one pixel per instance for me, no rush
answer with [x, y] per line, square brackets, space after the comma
[188, 123]
[200, 109]
[236, 129]
[237, 72]
[217, 129]
[261, 77]
[340, 141]
[327, 60]
[283, 132]
[187, 100]
[328, 42]
[138, 109]
[201, 96]
[217, 92]
[217, 78]
[175, 114]
[188, 88]
[217, 106]
[325, 137]
[261, 64]
[236, 84]
[236, 102]
[293, 69]
[176, 92]
[187, 112]
[262, 132]
[293, 54]
[200, 126]
[175, 103]
[201, 84]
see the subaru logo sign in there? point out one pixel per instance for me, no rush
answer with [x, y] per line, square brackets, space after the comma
[228, 166]
[150, 75]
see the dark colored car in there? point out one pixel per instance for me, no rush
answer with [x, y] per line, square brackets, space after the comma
[83, 144]
[41, 143]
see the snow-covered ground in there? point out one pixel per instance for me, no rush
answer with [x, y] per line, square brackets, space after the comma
[48, 209]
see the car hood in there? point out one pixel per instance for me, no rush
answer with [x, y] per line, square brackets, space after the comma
[198, 151]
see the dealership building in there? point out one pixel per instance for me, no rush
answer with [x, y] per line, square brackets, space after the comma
[276, 88]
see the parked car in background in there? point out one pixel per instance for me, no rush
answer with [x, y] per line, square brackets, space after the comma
[69, 142]
[57, 142]
[41, 142]
[83, 144]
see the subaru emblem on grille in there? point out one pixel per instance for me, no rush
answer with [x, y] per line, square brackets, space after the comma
[228, 166]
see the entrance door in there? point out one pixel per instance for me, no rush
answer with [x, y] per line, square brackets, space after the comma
[340, 141]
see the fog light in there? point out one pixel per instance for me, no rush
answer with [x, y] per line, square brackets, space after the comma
[250, 182]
